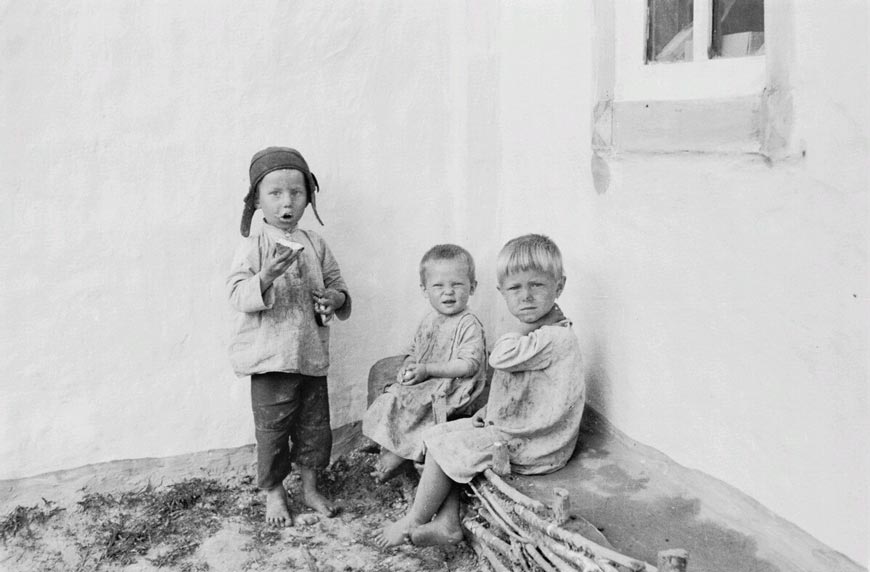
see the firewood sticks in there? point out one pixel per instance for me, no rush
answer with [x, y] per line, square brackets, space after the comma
[512, 531]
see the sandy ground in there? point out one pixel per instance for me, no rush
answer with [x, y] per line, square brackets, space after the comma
[204, 514]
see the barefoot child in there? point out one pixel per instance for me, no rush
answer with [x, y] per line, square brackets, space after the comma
[444, 367]
[535, 403]
[285, 283]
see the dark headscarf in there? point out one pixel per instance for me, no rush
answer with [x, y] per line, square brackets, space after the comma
[273, 159]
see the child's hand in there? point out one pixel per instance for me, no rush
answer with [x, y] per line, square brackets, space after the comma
[280, 259]
[414, 373]
[326, 302]
[400, 373]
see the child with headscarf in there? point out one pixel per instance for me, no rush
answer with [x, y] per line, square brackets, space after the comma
[285, 285]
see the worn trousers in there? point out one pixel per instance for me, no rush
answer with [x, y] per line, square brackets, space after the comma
[291, 421]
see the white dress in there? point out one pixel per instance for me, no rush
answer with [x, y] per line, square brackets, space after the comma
[396, 419]
[535, 404]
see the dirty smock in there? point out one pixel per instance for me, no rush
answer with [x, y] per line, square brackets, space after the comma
[535, 404]
[276, 331]
[396, 419]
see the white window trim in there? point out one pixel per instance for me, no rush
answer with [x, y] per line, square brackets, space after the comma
[701, 78]
[666, 107]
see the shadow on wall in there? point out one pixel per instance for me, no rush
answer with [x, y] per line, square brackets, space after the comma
[597, 381]
[594, 313]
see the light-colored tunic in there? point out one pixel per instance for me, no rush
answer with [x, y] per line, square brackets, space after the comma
[276, 331]
[396, 419]
[535, 404]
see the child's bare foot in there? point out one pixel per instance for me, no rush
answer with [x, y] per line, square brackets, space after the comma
[435, 533]
[395, 533]
[311, 496]
[444, 528]
[315, 500]
[388, 466]
[277, 507]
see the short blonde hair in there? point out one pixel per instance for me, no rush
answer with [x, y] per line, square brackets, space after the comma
[529, 252]
[447, 252]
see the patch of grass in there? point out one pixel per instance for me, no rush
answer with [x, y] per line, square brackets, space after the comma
[21, 520]
[349, 476]
[166, 525]
[169, 523]
[123, 538]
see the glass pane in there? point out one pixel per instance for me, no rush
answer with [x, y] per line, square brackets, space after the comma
[738, 28]
[669, 33]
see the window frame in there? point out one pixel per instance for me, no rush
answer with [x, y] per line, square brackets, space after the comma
[701, 78]
[680, 107]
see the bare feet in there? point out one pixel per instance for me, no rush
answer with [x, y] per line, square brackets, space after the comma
[436, 533]
[277, 508]
[444, 528]
[395, 533]
[311, 496]
[318, 502]
[388, 466]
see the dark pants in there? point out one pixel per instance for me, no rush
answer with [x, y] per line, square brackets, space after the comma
[289, 408]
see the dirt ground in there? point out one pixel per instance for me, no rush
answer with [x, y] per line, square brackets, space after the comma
[216, 523]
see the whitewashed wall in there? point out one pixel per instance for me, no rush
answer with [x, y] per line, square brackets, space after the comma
[721, 302]
[127, 132]
[732, 326]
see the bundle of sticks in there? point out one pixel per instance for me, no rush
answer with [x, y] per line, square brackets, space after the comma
[512, 532]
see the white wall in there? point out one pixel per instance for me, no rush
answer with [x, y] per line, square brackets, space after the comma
[735, 333]
[733, 326]
[127, 132]
[721, 302]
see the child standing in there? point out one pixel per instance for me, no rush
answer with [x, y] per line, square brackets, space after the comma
[444, 368]
[535, 403]
[283, 294]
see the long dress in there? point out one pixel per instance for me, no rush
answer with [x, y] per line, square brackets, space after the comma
[397, 418]
[536, 400]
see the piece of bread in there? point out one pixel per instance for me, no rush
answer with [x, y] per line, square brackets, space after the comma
[285, 243]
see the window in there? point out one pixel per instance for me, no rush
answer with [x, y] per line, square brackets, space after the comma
[730, 28]
[692, 76]
[738, 28]
[670, 24]
[658, 55]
